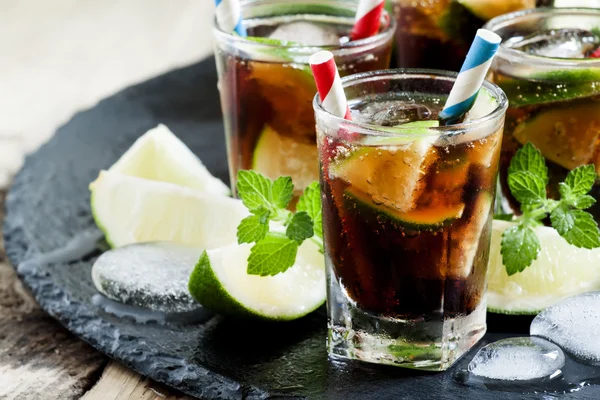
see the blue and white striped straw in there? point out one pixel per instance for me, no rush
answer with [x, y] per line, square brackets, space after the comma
[471, 76]
[229, 17]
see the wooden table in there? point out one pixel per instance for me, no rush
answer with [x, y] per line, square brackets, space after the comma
[59, 57]
[39, 359]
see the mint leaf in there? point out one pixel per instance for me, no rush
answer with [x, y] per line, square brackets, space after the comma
[577, 227]
[527, 180]
[504, 217]
[254, 190]
[519, 248]
[251, 229]
[529, 158]
[310, 201]
[583, 202]
[300, 227]
[263, 215]
[527, 187]
[566, 193]
[282, 191]
[272, 255]
[581, 180]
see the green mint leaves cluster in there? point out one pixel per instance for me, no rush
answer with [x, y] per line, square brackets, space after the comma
[275, 250]
[527, 181]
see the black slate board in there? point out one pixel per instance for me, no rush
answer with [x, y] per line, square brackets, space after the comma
[48, 206]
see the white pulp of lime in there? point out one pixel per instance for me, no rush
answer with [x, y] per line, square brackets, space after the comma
[131, 210]
[293, 293]
[560, 271]
[159, 155]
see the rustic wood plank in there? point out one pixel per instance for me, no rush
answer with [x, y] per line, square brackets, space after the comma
[39, 359]
[119, 383]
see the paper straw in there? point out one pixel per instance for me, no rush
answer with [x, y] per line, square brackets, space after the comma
[329, 84]
[229, 16]
[471, 76]
[366, 22]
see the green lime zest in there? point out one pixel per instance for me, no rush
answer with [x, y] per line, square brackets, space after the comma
[273, 42]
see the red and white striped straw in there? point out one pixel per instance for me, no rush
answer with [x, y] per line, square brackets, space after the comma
[329, 84]
[366, 22]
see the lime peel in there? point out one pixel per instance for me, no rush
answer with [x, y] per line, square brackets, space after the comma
[129, 209]
[159, 155]
[221, 283]
[560, 271]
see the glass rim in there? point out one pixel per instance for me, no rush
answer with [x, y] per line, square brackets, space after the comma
[517, 56]
[352, 45]
[400, 131]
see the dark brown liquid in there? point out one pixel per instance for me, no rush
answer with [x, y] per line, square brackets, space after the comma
[434, 33]
[567, 132]
[278, 95]
[403, 265]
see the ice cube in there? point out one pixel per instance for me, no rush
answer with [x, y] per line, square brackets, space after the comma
[558, 43]
[307, 34]
[574, 325]
[518, 359]
[390, 112]
[148, 275]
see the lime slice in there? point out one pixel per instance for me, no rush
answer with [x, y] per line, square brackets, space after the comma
[550, 87]
[129, 209]
[220, 283]
[418, 220]
[566, 135]
[560, 271]
[406, 133]
[484, 105]
[289, 91]
[159, 155]
[488, 9]
[276, 155]
[389, 170]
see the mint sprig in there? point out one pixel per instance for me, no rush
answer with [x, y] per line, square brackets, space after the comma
[275, 250]
[310, 202]
[527, 181]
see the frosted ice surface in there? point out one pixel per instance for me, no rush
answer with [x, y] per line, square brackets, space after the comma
[307, 34]
[574, 325]
[518, 359]
[149, 275]
[559, 43]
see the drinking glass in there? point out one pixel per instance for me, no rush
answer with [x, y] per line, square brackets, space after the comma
[407, 212]
[267, 87]
[554, 96]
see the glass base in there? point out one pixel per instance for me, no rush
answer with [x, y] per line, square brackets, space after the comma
[433, 343]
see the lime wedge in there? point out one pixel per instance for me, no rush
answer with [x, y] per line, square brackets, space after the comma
[389, 169]
[129, 209]
[405, 133]
[159, 155]
[550, 87]
[566, 135]
[220, 283]
[276, 155]
[488, 9]
[560, 271]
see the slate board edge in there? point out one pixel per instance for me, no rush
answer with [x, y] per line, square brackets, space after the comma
[48, 290]
[18, 251]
